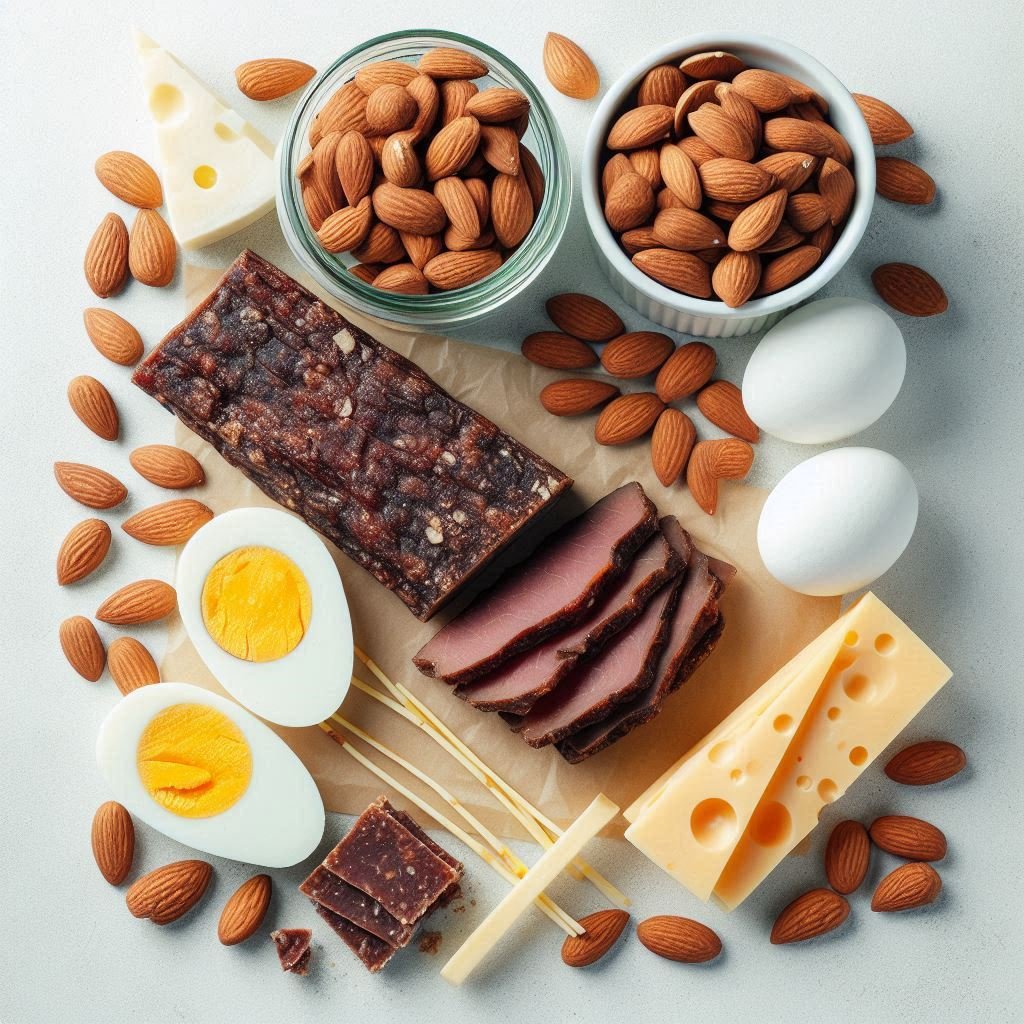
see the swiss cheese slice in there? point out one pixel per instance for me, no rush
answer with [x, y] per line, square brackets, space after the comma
[882, 677]
[218, 171]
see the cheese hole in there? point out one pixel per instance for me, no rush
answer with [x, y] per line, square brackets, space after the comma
[885, 643]
[222, 131]
[828, 790]
[713, 823]
[858, 755]
[859, 687]
[783, 723]
[736, 775]
[833, 714]
[204, 176]
[851, 638]
[720, 753]
[771, 824]
[165, 102]
[803, 782]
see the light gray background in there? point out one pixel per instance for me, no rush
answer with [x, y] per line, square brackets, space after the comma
[72, 953]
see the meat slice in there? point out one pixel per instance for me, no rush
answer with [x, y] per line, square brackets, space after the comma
[372, 951]
[327, 890]
[515, 686]
[553, 590]
[408, 821]
[624, 667]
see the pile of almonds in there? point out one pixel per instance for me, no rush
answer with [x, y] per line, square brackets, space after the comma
[680, 373]
[420, 174]
[848, 853]
[723, 180]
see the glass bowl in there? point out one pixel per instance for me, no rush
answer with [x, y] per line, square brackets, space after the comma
[543, 138]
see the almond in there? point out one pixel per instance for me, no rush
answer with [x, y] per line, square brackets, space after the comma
[847, 856]
[741, 110]
[499, 146]
[569, 69]
[408, 209]
[903, 181]
[812, 914]
[558, 351]
[385, 72]
[381, 245]
[584, 317]
[402, 277]
[786, 134]
[345, 111]
[671, 443]
[458, 242]
[113, 841]
[637, 239]
[424, 91]
[680, 939]
[354, 165]
[647, 164]
[784, 270]
[448, 62]
[908, 887]
[272, 77]
[697, 149]
[130, 178]
[533, 173]
[663, 84]
[167, 466]
[83, 551]
[791, 170]
[92, 404]
[714, 64]
[169, 892]
[317, 205]
[497, 105]
[142, 601]
[711, 461]
[398, 160]
[346, 229]
[687, 370]
[511, 208]
[909, 289]
[451, 270]
[636, 354]
[680, 271]
[735, 277]
[925, 763]
[786, 237]
[152, 251]
[823, 238]
[82, 647]
[837, 188]
[806, 211]
[88, 485]
[112, 335]
[734, 181]
[630, 202]
[244, 911]
[603, 929]
[799, 92]
[766, 90]
[131, 665]
[452, 97]
[389, 108]
[721, 132]
[452, 148]
[169, 523]
[106, 258]
[421, 248]
[693, 96]
[640, 127]
[325, 170]
[721, 402]
[723, 211]
[628, 417]
[840, 148]
[687, 230]
[576, 395]
[885, 124]
[758, 222]
[366, 272]
[680, 175]
[910, 838]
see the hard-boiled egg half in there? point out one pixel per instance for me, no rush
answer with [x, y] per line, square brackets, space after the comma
[205, 772]
[262, 601]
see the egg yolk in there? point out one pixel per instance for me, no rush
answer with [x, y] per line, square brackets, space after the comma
[193, 760]
[256, 604]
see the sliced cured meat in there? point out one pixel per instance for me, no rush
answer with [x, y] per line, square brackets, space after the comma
[623, 668]
[335, 894]
[551, 591]
[372, 951]
[454, 890]
[515, 686]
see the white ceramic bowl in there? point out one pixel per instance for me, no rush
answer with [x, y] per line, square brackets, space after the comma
[704, 317]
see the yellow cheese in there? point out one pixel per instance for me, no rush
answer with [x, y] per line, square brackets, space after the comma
[879, 681]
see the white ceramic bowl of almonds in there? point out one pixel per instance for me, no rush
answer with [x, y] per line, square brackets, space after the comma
[710, 317]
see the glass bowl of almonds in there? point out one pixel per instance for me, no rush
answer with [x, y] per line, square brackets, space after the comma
[423, 180]
[726, 178]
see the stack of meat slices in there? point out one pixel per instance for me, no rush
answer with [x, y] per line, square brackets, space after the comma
[583, 642]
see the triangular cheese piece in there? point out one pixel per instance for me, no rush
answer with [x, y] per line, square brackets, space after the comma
[218, 171]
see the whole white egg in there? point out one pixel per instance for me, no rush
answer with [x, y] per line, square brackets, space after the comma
[825, 372]
[836, 522]
[274, 819]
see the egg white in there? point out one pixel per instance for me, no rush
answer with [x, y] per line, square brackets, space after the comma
[278, 820]
[309, 683]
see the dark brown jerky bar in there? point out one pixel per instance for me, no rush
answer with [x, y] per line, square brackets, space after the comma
[384, 859]
[373, 952]
[335, 894]
[293, 949]
[412, 485]
[454, 890]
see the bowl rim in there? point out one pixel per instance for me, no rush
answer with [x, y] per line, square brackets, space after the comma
[858, 137]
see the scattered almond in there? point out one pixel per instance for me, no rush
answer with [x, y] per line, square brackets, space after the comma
[903, 181]
[847, 856]
[112, 335]
[82, 647]
[558, 351]
[167, 466]
[83, 551]
[636, 353]
[576, 395]
[130, 178]
[152, 251]
[711, 461]
[113, 841]
[812, 914]
[169, 523]
[569, 69]
[908, 887]
[627, 418]
[885, 124]
[131, 665]
[910, 838]
[603, 929]
[925, 763]
[671, 443]
[88, 485]
[169, 892]
[679, 938]
[272, 77]
[722, 403]
[142, 601]
[106, 258]
[91, 403]
[244, 911]
[584, 317]
[687, 370]
[909, 289]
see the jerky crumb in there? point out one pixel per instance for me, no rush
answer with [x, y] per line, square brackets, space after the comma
[430, 943]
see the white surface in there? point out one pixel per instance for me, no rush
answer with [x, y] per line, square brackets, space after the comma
[74, 953]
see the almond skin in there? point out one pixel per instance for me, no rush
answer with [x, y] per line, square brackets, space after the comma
[142, 601]
[347, 228]
[569, 69]
[734, 181]
[789, 134]
[152, 251]
[925, 763]
[448, 62]
[409, 209]
[671, 443]
[130, 178]
[451, 270]
[718, 64]
[687, 370]
[680, 271]
[636, 354]
[113, 336]
[680, 175]
[736, 276]
[791, 170]
[169, 523]
[398, 160]
[558, 351]
[722, 133]
[576, 395]
[91, 403]
[909, 289]
[82, 647]
[106, 258]
[402, 277]
[451, 148]
[903, 182]
[244, 911]
[687, 231]
[629, 203]
[270, 78]
[83, 551]
[663, 84]
[680, 939]
[787, 269]
[497, 105]
[812, 914]
[584, 317]
[847, 856]
[603, 929]
[88, 485]
[837, 187]
[113, 841]
[131, 665]
[766, 90]
[722, 403]
[353, 161]
[910, 838]
[640, 127]
[511, 209]
[169, 892]
[908, 887]
[885, 124]
[758, 222]
[627, 418]
[167, 466]
[711, 461]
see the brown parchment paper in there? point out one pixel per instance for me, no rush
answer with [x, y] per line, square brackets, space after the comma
[766, 624]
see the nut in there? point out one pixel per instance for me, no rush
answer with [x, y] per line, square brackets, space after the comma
[244, 911]
[169, 892]
[679, 938]
[810, 915]
[113, 841]
[603, 929]
[925, 763]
